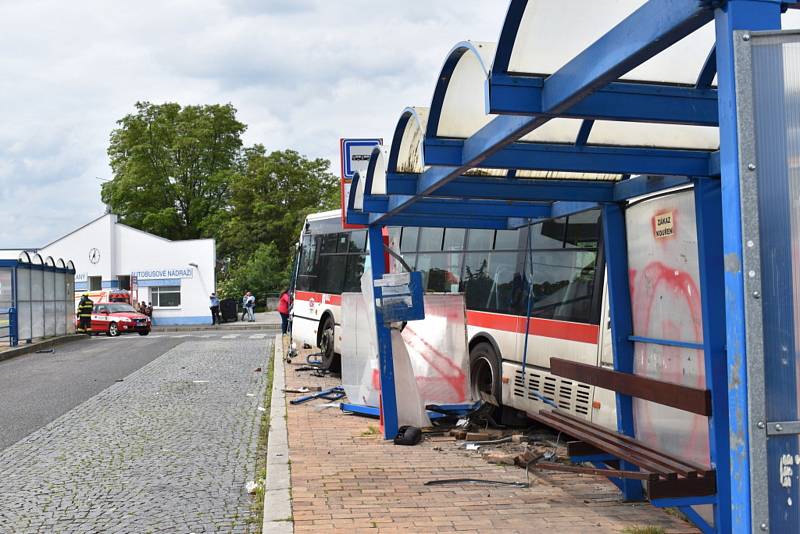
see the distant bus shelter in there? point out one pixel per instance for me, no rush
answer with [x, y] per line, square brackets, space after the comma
[587, 104]
[36, 298]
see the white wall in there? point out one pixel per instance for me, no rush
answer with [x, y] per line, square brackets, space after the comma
[76, 246]
[140, 251]
[125, 250]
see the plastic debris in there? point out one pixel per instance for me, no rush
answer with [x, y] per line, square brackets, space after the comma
[251, 487]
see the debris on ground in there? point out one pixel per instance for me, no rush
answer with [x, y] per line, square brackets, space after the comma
[45, 351]
[499, 457]
[251, 487]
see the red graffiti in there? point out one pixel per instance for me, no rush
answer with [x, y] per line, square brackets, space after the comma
[648, 287]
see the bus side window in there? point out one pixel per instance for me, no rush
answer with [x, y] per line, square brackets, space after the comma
[331, 274]
[306, 276]
[355, 268]
[563, 284]
[358, 241]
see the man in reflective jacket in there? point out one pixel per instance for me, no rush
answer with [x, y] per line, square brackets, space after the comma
[85, 307]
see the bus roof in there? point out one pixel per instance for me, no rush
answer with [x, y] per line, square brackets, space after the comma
[324, 222]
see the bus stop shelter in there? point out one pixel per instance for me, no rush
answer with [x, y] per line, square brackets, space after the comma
[588, 104]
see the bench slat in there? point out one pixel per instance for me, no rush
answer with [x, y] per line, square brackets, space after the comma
[685, 398]
[607, 443]
[689, 465]
[638, 475]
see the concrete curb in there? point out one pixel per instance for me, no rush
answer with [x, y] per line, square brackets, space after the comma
[259, 326]
[39, 345]
[277, 487]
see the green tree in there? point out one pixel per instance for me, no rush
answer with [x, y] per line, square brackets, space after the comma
[172, 167]
[270, 199]
[263, 272]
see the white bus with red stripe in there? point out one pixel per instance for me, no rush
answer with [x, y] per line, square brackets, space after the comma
[560, 259]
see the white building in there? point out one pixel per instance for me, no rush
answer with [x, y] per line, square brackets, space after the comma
[176, 276]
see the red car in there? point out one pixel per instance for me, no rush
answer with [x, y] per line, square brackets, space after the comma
[115, 318]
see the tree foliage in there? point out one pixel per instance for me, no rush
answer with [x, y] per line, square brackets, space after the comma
[172, 167]
[270, 199]
[263, 272]
[183, 173]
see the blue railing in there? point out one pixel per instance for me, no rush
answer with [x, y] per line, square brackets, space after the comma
[8, 325]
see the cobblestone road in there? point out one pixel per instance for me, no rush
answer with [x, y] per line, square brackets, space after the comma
[169, 449]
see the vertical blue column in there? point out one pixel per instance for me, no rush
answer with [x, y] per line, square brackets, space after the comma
[708, 208]
[736, 15]
[385, 360]
[619, 300]
[14, 324]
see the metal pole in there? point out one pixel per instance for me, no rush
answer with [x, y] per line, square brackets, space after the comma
[708, 209]
[619, 299]
[385, 361]
[737, 15]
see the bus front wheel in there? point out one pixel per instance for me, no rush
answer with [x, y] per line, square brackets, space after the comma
[484, 371]
[326, 345]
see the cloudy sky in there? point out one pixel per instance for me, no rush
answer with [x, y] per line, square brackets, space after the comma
[302, 74]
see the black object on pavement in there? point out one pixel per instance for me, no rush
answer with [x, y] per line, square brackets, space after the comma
[227, 308]
[408, 435]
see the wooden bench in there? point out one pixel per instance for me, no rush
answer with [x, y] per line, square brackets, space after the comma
[665, 475]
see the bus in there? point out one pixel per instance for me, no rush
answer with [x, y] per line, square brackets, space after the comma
[560, 260]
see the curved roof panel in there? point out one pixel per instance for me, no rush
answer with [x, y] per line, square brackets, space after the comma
[458, 107]
[540, 47]
[406, 153]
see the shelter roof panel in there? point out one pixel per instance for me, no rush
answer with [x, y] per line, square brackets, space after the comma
[406, 154]
[551, 32]
[653, 135]
[458, 107]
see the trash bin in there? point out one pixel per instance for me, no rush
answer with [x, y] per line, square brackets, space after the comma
[227, 308]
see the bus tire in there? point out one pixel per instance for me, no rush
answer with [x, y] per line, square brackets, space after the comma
[484, 371]
[328, 358]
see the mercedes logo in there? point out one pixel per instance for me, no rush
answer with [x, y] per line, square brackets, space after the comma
[94, 255]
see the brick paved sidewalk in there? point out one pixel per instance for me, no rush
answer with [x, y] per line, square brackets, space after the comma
[345, 479]
[169, 449]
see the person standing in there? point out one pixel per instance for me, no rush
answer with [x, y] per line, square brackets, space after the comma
[244, 304]
[250, 306]
[213, 303]
[85, 307]
[149, 310]
[284, 304]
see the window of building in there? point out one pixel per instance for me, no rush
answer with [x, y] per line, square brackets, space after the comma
[166, 296]
[95, 283]
[124, 282]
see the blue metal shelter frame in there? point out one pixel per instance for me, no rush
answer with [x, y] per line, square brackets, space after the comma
[475, 182]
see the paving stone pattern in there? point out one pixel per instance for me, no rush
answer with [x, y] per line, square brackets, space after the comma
[169, 449]
[346, 479]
